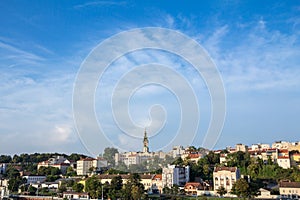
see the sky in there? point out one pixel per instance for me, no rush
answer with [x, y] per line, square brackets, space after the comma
[44, 46]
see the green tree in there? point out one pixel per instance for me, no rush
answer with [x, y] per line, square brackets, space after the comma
[93, 187]
[241, 188]
[5, 159]
[109, 155]
[115, 188]
[78, 187]
[221, 191]
[133, 189]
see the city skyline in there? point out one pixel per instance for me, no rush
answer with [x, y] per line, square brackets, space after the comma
[254, 45]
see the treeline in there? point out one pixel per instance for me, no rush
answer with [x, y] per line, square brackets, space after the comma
[37, 157]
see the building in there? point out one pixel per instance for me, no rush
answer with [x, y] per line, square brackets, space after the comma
[226, 177]
[289, 190]
[76, 195]
[241, 147]
[157, 184]
[3, 167]
[191, 188]
[59, 162]
[295, 160]
[146, 143]
[280, 145]
[259, 146]
[86, 166]
[136, 157]
[35, 179]
[284, 162]
[175, 175]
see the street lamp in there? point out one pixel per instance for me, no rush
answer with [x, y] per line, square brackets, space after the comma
[102, 192]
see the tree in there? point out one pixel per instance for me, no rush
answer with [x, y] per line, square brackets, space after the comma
[221, 191]
[5, 159]
[78, 187]
[93, 187]
[109, 155]
[241, 188]
[116, 185]
[133, 189]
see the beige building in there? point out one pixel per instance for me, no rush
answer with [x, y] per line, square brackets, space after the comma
[289, 190]
[241, 147]
[86, 166]
[226, 177]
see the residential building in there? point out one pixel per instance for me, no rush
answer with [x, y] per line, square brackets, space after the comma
[226, 177]
[59, 162]
[76, 195]
[157, 184]
[280, 145]
[35, 179]
[259, 146]
[86, 166]
[175, 175]
[191, 188]
[284, 162]
[289, 189]
[177, 151]
[241, 147]
[223, 158]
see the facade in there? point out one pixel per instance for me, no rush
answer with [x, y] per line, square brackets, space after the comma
[284, 162]
[191, 188]
[289, 190]
[35, 179]
[76, 195]
[175, 175]
[226, 177]
[86, 166]
[157, 184]
[241, 147]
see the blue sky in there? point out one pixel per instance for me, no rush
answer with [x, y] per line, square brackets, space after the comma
[254, 44]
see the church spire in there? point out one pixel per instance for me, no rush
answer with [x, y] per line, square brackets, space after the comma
[146, 143]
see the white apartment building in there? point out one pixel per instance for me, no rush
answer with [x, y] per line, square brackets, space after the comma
[259, 146]
[87, 165]
[226, 177]
[175, 175]
[35, 179]
[284, 162]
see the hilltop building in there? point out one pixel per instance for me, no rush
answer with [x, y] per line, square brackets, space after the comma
[87, 166]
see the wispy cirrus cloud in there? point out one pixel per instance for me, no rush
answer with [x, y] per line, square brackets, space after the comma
[100, 3]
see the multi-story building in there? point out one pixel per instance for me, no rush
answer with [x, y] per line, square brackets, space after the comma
[175, 175]
[289, 190]
[280, 145]
[226, 177]
[241, 147]
[284, 162]
[35, 179]
[259, 146]
[86, 166]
